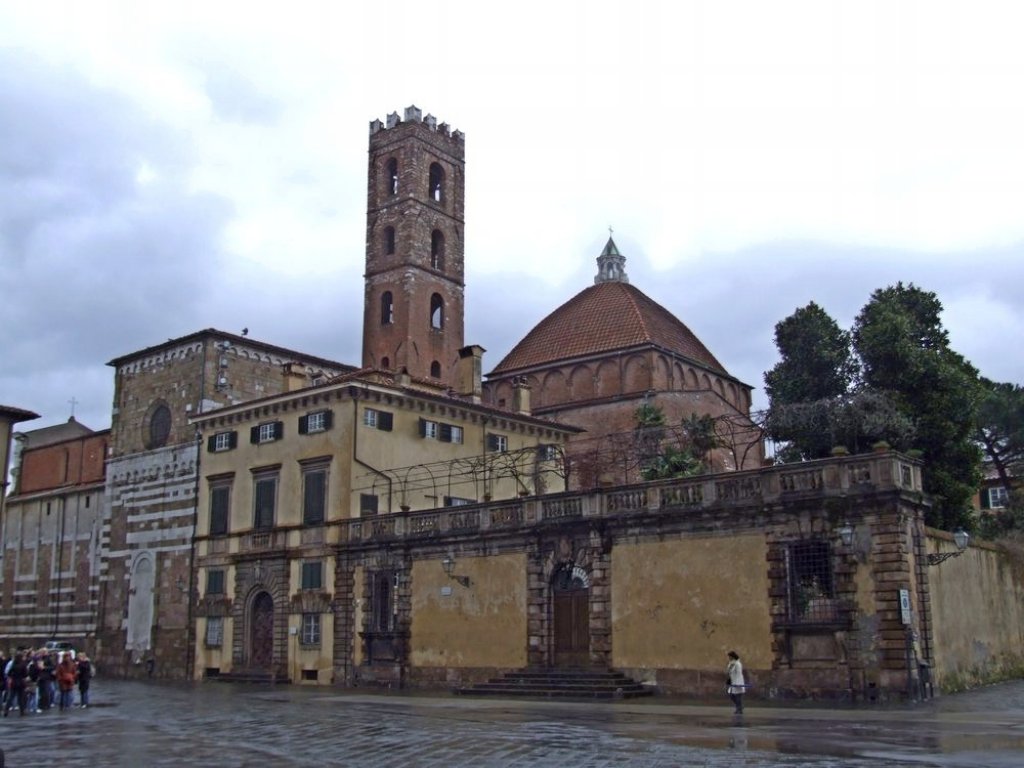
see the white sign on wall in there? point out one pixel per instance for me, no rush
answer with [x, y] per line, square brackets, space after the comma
[905, 606]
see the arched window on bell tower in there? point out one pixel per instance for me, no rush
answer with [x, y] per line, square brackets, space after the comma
[391, 177]
[435, 370]
[436, 312]
[387, 308]
[437, 250]
[436, 183]
[389, 240]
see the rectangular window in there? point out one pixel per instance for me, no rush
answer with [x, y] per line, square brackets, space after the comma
[267, 433]
[547, 452]
[382, 420]
[318, 421]
[998, 498]
[312, 574]
[265, 497]
[445, 433]
[497, 443]
[214, 631]
[457, 501]
[367, 504]
[314, 495]
[310, 629]
[220, 508]
[222, 441]
[215, 582]
[810, 585]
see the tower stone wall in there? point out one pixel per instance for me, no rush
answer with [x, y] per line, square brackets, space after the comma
[415, 226]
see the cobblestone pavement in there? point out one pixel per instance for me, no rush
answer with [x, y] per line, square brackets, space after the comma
[217, 724]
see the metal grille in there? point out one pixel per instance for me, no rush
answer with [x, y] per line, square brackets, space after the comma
[811, 587]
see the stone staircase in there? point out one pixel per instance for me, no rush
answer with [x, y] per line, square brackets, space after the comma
[550, 683]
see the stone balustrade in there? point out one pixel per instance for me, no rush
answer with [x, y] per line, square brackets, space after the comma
[836, 477]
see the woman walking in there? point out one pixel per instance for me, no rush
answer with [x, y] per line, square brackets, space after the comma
[735, 685]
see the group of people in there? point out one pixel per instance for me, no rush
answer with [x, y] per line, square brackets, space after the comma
[35, 681]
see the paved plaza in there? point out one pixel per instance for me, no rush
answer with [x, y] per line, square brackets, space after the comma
[154, 723]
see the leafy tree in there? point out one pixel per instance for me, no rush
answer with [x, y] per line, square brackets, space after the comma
[855, 421]
[893, 378]
[816, 371]
[817, 362]
[1000, 428]
[1000, 433]
[667, 452]
[904, 351]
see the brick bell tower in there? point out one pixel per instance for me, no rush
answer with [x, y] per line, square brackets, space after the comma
[413, 306]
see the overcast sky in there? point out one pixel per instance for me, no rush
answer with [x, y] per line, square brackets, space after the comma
[168, 167]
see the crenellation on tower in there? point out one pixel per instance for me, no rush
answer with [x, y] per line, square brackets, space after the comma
[414, 116]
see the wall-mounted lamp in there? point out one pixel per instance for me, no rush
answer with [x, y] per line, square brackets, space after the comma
[449, 570]
[961, 538]
[845, 532]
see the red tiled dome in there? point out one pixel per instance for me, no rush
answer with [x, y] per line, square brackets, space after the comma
[603, 318]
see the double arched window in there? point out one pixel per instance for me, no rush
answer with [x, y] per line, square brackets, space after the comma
[387, 308]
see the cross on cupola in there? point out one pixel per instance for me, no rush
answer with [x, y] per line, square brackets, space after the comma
[611, 265]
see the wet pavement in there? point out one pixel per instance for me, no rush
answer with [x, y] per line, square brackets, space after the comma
[217, 724]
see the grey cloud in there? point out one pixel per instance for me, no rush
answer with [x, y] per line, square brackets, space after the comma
[94, 263]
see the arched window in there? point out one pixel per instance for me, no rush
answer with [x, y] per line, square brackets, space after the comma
[435, 369]
[159, 425]
[436, 311]
[436, 182]
[392, 178]
[389, 240]
[387, 308]
[385, 363]
[437, 249]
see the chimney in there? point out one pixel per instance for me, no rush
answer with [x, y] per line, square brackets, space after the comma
[294, 377]
[402, 378]
[521, 396]
[470, 372]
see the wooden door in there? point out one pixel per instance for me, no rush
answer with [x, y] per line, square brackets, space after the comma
[261, 637]
[571, 619]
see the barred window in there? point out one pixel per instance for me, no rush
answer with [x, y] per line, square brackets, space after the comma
[810, 583]
[214, 631]
[383, 601]
[310, 629]
[215, 582]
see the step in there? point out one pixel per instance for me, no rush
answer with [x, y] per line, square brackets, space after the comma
[561, 683]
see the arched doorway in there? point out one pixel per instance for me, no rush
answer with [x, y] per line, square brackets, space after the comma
[261, 631]
[570, 614]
